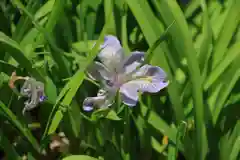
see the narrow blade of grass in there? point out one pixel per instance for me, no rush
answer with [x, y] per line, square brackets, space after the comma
[171, 152]
[234, 73]
[236, 149]
[227, 31]
[231, 55]
[79, 157]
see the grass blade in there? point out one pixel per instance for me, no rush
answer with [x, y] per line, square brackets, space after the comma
[231, 55]
[236, 149]
[234, 72]
[228, 29]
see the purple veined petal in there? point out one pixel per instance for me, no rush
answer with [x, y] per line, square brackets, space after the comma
[112, 53]
[150, 79]
[98, 71]
[129, 94]
[133, 61]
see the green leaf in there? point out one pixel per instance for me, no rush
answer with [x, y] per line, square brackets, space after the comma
[112, 115]
[50, 90]
[235, 150]
[228, 29]
[159, 124]
[44, 10]
[171, 152]
[79, 157]
[234, 72]
[157, 146]
[204, 51]
[222, 65]
[109, 8]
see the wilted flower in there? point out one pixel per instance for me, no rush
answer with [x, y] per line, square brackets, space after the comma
[14, 78]
[117, 72]
[32, 89]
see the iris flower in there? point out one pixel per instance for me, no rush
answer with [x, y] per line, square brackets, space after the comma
[122, 74]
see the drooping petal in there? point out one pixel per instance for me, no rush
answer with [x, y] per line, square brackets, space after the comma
[90, 102]
[97, 71]
[111, 53]
[133, 61]
[150, 79]
[129, 93]
[40, 91]
[27, 88]
[42, 98]
[32, 102]
[103, 99]
[147, 79]
[34, 90]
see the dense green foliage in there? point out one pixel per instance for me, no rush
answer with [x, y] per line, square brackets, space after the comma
[195, 118]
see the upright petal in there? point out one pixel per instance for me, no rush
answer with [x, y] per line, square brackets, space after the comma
[111, 53]
[133, 61]
[98, 71]
[111, 40]
[150, 79]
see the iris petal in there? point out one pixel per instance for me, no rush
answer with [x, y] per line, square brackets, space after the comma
[147, 79]
[111, 40]
[97, 71]
[129, 94]
[133, 61]
[150, 79]
[111, 53]
[102, 100]
[90, 102]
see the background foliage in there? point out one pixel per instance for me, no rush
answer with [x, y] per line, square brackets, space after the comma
[196, 42]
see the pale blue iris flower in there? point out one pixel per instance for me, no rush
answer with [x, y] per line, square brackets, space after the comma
[123, 74]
